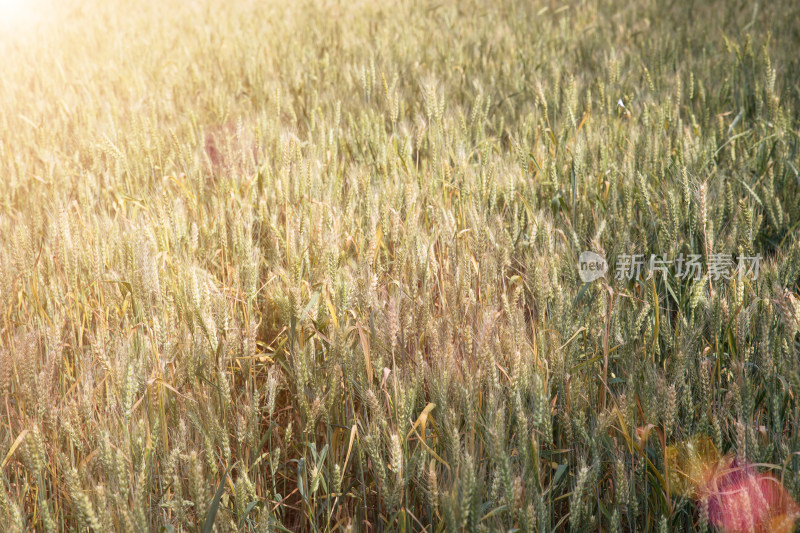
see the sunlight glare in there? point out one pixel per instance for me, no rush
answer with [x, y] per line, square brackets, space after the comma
[16, 14]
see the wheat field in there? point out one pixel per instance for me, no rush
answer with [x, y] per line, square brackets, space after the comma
[314, 266]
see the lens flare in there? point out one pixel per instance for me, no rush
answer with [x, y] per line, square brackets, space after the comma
[11, 8]
[17, 14]
[740, 498]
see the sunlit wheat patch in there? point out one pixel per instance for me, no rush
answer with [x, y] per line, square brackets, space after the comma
[399, 266]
